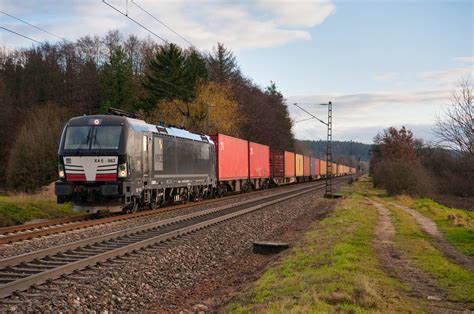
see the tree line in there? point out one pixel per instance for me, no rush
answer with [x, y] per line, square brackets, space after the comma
[344, 152]
[206, 92]
[400, 163]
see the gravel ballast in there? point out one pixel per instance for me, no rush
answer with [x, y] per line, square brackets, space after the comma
[195, 273]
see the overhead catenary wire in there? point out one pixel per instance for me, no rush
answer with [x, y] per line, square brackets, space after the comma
[312, 115]
[39, 28]
[136, 22]
[162, 23]
[21, 35]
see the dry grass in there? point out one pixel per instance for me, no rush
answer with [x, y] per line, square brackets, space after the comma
[19, 208]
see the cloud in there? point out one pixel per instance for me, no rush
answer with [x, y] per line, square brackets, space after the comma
[239, 25]
[298, 13]
[469, 59]
[356, 116]
[384, 77]
[450, 76]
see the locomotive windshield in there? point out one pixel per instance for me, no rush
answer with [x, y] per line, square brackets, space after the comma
[92, 137]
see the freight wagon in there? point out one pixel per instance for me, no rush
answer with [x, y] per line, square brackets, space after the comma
[282, 167]
[317, 168]
[232, 156]
[340, 170]
[323, 168]
[259, 165]
[299, 173]
[306, 168]
[312, 168]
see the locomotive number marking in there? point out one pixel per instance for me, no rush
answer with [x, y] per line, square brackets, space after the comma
[103, 160]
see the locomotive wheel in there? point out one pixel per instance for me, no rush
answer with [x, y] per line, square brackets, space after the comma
[153, 205]
[133, 206]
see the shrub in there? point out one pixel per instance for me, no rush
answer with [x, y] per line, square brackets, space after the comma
[402, 177]
[32, 162]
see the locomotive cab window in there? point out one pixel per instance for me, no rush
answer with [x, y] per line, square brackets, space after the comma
[77, 137]
[106, 137]
[92, 137]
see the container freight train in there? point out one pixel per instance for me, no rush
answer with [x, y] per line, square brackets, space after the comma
[120, 163]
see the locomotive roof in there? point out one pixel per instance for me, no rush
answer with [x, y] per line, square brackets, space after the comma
[138, 125]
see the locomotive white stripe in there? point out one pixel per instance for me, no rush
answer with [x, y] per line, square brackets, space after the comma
[107, 168]
[75, 171]
[91, 166]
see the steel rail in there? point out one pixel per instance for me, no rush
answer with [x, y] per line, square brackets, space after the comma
[46, 223]
[81, 254]
[75, 223]
[81, 243]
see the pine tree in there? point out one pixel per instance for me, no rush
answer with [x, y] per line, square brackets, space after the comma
[174, 75]
[117, 81]
[222, 65]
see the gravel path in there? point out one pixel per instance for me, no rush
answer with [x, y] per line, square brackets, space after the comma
[428, 226]
[26, 246]
[202, 268]
[397, 264]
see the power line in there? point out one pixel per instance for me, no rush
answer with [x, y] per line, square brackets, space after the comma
[135, 21]
[162, 23]
[302, 120]
[39, 28]
[312, 115]
[9, 30]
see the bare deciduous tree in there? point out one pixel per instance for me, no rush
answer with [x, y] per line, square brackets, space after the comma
[456, 129]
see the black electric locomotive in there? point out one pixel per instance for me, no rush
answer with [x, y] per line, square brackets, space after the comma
[120, 163]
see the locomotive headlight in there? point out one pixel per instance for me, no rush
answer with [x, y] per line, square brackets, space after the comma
[61, 171]
[122, 170]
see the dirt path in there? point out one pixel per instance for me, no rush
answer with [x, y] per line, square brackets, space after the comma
[398, 265]
[428, 226]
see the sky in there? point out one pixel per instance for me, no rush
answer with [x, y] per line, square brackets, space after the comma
[381, 63]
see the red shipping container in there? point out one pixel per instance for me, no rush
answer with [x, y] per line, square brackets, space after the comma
[306, 166]
[318, 166]
[232, 155]
[259, 161]
[283, 164]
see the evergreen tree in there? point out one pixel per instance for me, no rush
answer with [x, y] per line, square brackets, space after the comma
[282, 137]
[174, 75]
[117, 81]
[222, 65]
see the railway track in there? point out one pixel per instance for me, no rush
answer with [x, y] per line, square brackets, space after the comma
[20, 272]
[44, 228]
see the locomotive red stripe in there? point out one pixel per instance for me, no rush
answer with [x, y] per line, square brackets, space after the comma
[75, 177]
[106, 177]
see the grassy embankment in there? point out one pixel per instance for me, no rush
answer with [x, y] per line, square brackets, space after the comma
[456, 225]
[334, 268]
[18, 209]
